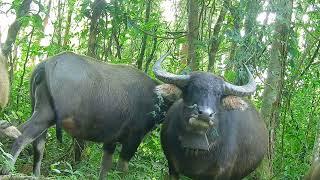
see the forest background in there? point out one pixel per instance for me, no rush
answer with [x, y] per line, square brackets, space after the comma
[277, 39]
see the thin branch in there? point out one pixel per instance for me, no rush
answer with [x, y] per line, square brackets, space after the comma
[154, 47]
[24, 68]
[315, 54]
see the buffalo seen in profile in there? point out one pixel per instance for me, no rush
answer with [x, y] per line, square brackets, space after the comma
[93, 101]
[211, 133]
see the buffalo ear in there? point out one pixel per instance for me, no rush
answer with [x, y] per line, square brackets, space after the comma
[168, 92]
[234, 103]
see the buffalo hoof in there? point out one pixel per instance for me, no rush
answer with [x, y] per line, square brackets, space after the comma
[123, 166]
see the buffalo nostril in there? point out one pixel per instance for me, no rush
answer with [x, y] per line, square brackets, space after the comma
[205, 113]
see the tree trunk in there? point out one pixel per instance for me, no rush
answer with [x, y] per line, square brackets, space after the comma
[247, 50]
[68, 25]
[115, 36]
[59, 28]
[15, 27]
[271, 99]
[252, 9]
[116, 29]
[45, 24]
[235, 13]
[215, 40]
[202, 17]
[314, 171]
[47, 16]
[145, 36]
[110, 42]
[193, 33]
[12, 63]
[316, 147]
[105, 53]
[97, 9]
[7, 49]
[154, 47]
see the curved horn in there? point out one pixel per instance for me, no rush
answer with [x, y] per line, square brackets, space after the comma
[244, 90]
[163, 75]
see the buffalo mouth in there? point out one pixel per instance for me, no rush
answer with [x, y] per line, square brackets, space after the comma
[200, 125]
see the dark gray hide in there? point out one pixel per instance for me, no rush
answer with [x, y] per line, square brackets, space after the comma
[205, 135]
[93, 101]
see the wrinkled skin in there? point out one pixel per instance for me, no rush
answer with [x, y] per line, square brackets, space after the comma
[93, 101]
[205, 137]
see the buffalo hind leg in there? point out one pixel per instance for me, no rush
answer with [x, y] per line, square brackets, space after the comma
[38, 149]
[40, 121]
[106, 162]
[128, 150]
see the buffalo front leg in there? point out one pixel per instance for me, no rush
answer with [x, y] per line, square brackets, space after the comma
[38, 149]
[106, 162]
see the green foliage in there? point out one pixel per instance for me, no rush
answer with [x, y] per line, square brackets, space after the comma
[5, 158]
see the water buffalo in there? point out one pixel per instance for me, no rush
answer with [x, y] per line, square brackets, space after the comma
[93, 101]
[211, 133]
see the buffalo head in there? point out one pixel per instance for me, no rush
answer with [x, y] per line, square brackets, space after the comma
[202, 93]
